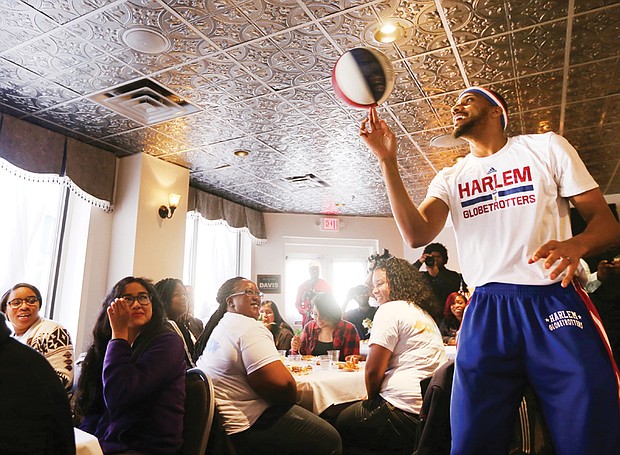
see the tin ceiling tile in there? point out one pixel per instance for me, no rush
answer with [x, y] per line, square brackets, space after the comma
[595, 35]
[260, 73]
[19, 23]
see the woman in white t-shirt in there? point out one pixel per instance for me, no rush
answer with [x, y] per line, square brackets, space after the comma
[405, 346]
[254, 392]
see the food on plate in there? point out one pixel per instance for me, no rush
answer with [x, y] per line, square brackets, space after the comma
[348, 366]
[355, 358]
[300, 369]
[307, 358]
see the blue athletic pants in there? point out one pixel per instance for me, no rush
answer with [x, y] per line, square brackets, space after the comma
[551, 338]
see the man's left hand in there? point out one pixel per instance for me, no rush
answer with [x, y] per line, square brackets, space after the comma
[562, 256]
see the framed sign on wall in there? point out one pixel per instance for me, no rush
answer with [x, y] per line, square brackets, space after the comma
[269, 284]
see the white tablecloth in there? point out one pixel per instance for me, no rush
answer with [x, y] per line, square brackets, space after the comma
[320, 389]
[86, 443]
[451, 352]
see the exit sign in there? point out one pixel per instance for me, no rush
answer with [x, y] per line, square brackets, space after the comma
[330, 224]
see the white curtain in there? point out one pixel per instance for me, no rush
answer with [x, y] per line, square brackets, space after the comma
[214, 252]
[29, 228]
[30, 239]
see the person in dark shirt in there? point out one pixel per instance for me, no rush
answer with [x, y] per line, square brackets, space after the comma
[131, 391]
[33, 403]
[442, 280]
[363, 313]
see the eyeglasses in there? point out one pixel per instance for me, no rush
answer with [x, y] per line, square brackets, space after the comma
[30, 301]
[249, 293]
[143, 299]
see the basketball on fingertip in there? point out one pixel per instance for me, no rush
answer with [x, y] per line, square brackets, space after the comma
[363, 77]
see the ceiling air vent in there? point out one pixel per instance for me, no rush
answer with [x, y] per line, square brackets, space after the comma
[300, 182]
[145, 101]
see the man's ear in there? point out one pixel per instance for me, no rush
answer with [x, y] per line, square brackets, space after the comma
[497, 112]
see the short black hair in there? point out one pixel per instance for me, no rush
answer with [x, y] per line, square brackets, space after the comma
[437, 248]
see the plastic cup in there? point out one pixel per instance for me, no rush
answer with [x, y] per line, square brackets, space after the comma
[334, 355]
[325, 361]
[282, 353]
[295, 358]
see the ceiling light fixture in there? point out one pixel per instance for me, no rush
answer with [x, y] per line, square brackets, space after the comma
[146, 40]
[173, 203]
[241, 153]
[447, 140]
[388, 32]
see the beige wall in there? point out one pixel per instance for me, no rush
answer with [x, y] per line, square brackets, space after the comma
[282, 229]
[144, 244]
[133, 239]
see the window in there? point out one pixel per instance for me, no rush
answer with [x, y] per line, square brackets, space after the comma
[40, 211]
[214, 252]
[343, 264]
[29, 230]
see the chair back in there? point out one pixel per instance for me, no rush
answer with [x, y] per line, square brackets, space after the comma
[199, 411]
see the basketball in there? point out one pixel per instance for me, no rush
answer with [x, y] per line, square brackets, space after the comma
[363, 77]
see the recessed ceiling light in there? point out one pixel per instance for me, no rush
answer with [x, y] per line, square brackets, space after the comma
[447, 140]
[241, 153]
[146, 40]
[388, 32]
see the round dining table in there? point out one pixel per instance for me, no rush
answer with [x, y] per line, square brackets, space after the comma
[318, 389]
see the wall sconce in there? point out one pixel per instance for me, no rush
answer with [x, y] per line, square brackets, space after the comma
[173, 203]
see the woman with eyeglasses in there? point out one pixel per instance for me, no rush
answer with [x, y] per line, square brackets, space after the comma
[255, 393]
[405, 346]
[327, 331]
[131, 392]
[173, 296]
[22, 304]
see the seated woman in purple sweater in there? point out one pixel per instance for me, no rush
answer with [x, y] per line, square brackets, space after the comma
[131, 391]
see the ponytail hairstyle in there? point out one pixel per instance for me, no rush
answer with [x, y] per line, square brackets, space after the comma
[408, 284]
[226, 290]
[89, 395]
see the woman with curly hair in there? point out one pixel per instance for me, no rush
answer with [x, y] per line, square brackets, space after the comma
[405, 346]
[452, 317]
[131, 392]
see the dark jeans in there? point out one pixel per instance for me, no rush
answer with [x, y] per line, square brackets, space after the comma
[377, 426]
[293, 430]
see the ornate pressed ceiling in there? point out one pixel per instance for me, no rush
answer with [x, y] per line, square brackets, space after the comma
[257, 76]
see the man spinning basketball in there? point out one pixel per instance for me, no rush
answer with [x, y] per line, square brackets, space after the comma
[528, 320]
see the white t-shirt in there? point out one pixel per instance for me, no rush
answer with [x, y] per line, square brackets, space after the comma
[505, 206]
[238, 346]
[417, 351]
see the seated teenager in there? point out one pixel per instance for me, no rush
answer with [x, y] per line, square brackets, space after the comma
[452, 317]
[405, 346]
[327, 331]
[131, 391]
[280, 329]
[22, 304]
[173, 295]
[254, 392]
